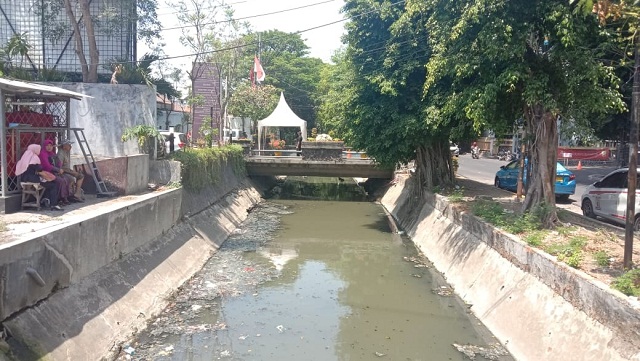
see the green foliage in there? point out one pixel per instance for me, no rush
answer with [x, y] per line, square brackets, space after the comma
[494, 213]
[253, 103]
[456, 195]
[141, 133]
[602, 258]
[570, 253]
[535, 238]
[628, 283]
[208, 133]
[202, 167]
[3, 226]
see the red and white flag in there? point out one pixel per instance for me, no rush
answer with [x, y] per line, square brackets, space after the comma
[257, 69]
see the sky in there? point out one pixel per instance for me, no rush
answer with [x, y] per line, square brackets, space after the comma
[323, 42]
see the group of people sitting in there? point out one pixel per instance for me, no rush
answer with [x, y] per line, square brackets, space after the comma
[53, 171]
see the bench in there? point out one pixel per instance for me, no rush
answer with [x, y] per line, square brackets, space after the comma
[31, 191]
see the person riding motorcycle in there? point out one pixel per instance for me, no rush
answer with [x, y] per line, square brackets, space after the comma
[475, 151]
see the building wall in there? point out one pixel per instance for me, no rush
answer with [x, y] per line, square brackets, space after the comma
[207, 85]
[110, 109]
[175, 120]
[50, 33]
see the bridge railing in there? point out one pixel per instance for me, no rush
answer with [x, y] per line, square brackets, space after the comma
[346, 154]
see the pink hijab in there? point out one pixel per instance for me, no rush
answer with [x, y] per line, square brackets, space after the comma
[30, 156]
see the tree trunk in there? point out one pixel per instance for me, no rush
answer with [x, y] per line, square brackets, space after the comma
[78, 37]
[434, 167]
[94, 54]
[542, 163]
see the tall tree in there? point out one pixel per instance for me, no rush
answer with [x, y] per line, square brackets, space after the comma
[97, 18]
[253, 103]
[207, 26]
[606, 10]
[284, 56]
[536, 57]
[386, 114]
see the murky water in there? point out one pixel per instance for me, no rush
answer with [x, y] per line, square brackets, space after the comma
[331, 283]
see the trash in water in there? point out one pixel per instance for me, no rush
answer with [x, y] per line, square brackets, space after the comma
[493, 352]
[379, 354]
[129, 350]
[280, 328]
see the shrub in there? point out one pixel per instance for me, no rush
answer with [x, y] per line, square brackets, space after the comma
[202, 167]
[628, 283]
[602, 258]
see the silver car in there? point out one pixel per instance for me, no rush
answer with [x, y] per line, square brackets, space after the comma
[607, 198]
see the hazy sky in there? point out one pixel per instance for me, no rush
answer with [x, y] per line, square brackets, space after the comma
[322, 41]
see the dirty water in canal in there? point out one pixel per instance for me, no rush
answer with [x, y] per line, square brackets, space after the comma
[316, 278]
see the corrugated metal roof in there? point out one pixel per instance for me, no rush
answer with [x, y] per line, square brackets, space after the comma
[21, 87]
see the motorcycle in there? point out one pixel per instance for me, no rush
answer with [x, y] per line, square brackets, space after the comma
[475, 153]
[507, 156]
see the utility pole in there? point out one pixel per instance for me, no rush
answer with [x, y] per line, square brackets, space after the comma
[633, 160]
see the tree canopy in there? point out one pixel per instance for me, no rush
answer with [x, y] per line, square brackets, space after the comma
[421, 71]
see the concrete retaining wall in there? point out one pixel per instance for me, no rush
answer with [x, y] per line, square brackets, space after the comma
[111, 109]
[539, 309]
[77, 291]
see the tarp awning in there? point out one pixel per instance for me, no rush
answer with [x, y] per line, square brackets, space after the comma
[17, 87]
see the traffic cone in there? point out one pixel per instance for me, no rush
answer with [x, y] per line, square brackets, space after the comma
[579, 165]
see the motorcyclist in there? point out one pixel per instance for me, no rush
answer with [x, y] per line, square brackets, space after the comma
[475, 151]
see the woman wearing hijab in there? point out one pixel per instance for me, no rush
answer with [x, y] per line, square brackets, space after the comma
[30, 170]
[51, 163]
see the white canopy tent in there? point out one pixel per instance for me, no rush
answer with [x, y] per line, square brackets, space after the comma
[282, 116]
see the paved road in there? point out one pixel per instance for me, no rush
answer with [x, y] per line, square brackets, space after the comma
[484, 170]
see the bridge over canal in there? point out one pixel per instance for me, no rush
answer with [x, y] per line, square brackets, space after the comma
[292, 165]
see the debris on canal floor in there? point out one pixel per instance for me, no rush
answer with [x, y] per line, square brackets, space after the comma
[493, 352]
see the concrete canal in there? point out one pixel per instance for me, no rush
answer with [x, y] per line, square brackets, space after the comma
[315, 273]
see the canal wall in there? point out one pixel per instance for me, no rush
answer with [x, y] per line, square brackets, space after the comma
[76, 292]
[538, 308]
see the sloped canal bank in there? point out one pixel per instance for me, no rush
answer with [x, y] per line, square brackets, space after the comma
[315, 280]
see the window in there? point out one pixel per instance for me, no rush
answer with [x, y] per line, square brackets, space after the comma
[616, 180]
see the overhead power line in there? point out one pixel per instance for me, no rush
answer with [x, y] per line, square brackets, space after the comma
[248, 17]
[274, 38]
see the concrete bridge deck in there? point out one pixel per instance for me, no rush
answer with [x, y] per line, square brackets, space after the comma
[296, 166]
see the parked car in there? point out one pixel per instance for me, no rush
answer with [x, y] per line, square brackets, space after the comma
[507, 178]
[453, 147]
[179, 142]
[607, 198]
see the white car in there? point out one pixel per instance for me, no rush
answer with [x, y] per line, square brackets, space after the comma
[607, 198]
[179, 141]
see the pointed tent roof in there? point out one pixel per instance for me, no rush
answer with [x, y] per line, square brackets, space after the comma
[282, 116]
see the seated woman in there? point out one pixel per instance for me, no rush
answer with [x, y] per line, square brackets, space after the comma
[51, 163]
[30, 170]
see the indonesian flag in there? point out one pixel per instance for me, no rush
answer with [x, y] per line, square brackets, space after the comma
[257, 69]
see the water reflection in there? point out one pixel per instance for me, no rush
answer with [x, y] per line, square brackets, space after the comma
[320, 188]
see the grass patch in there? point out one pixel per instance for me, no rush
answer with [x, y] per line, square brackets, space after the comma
[457, 195]
[570, 252]
[494, 213]
[628, 283]
[602, 258]
[535, 238]
[3, 226]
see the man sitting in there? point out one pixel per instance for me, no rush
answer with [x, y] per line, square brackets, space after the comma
[75, 178]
